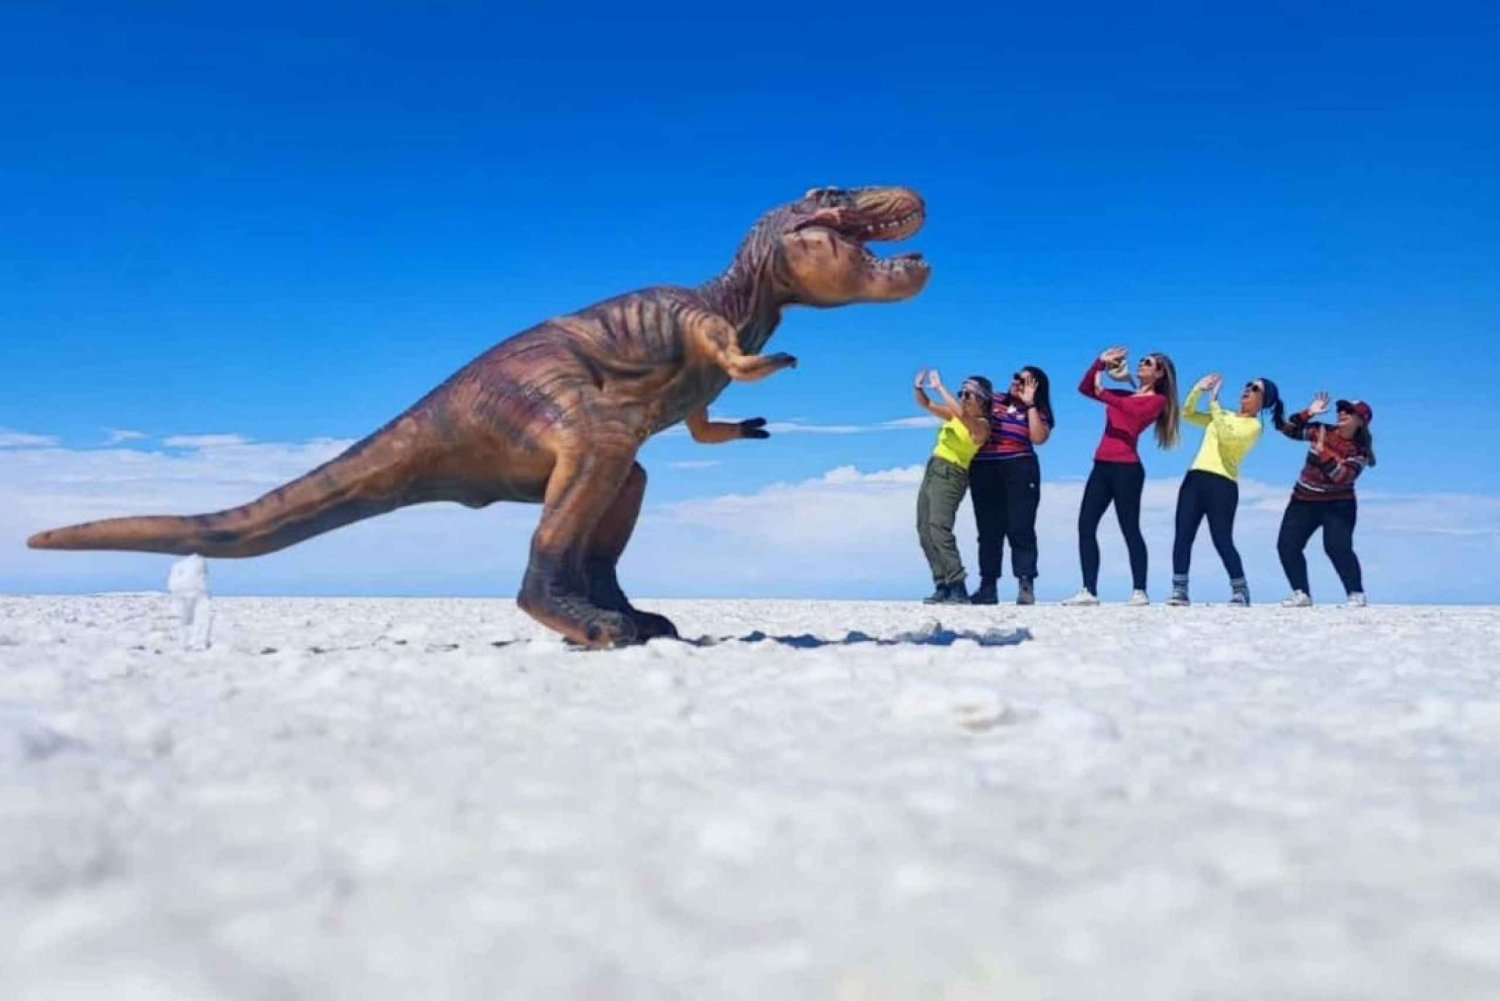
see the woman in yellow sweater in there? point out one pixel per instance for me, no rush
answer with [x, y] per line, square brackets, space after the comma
[966, 426]
[1211, 489]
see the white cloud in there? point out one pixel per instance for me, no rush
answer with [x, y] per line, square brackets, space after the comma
[204, 441]
[693, 464]
[845, 533]
[120, 435]
[20, 439]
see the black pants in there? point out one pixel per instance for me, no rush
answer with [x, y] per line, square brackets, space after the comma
[1006, 493]
[1336, 519]
[1118, 483]
[1206, 495]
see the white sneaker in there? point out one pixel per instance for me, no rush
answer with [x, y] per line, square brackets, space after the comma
[1356, 600]
[1179, 599]
[1083, 597]
[1138, 598]
[1297, 599]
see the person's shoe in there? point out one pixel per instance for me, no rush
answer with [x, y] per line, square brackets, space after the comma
[986, 594]
[1297, 599]
[1026, 593]
[1083, 597]
[1240, 598]
[1356, 600]
[937, 597]
[1138, 599]
[1179, 598]
[958, 594]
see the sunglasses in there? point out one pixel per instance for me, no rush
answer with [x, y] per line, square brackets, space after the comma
[968, 394]
[1254, 387]
[1149, 362]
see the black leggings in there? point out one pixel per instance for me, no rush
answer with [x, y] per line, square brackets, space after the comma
[1119, 483]
[1336, 518]
[1006, 493]
[1204, 494]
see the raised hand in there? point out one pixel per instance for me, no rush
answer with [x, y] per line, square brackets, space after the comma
[1027, 391]
[754, 428]
[921, 374]
[933, 379]
[1319, 403]
[1112, 355]
[1206, 383]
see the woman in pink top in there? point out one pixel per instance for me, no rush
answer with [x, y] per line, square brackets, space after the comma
[1118, 476]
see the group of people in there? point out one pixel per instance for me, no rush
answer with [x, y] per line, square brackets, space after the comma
[987, 447]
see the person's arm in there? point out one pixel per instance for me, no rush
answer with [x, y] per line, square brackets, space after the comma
[1090, 386]
[1190, 411]
[1038, 429]
[940, 412]
[1240, 430]
[979, 429]
[1301, 427]
[936, 382]
[1344, 470]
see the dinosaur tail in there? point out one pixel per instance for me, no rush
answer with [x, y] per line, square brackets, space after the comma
[369, 478]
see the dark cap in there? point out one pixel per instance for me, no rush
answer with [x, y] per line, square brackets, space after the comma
[1359, 408]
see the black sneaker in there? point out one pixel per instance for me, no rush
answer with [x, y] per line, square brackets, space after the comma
[1026, 594]
[958, 594]
[986, 594]
[938, 597]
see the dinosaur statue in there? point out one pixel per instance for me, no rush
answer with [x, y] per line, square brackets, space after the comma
[556, 414]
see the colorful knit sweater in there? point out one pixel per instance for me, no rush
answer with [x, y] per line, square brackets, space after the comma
[1333, 461]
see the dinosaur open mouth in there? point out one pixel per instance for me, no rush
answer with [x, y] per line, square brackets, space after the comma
[894, 228]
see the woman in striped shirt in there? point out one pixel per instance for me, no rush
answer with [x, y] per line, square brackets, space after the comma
[1324, 495]
[1005, 482]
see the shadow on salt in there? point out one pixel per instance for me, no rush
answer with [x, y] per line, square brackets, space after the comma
[930, 634]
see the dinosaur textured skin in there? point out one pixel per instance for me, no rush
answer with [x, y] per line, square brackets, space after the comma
[556, 414]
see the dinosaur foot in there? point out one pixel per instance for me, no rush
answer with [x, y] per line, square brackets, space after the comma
[650, 626]
[604, 591]
[578, 620]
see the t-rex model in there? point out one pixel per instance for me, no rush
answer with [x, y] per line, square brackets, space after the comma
[556, 414]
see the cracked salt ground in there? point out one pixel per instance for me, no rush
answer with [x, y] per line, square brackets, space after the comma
[390, 798]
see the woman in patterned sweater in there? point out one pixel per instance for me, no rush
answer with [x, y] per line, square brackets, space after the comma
[1324, 495]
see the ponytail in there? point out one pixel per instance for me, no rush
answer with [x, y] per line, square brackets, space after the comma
[1278, 416]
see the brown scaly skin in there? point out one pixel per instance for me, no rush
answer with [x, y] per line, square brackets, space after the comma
[556, 414]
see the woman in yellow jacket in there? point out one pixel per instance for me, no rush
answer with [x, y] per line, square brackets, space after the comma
[1211, 488]
[966, 426]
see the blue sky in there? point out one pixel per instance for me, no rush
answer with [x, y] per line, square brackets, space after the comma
[285, 225]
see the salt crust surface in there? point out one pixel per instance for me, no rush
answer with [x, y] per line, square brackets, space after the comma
[372, 799]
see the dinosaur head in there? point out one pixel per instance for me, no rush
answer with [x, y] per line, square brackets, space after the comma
[819, 241]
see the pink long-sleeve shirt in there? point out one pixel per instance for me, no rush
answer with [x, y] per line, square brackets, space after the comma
[1125, 417]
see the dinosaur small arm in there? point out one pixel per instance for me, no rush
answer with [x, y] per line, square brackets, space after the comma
[556, 414]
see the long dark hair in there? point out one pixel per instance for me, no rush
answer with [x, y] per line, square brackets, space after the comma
[1366, 441]
[1166, 384]
[1043, 399]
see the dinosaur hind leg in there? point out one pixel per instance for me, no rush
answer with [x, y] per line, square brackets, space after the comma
[554, 591]
[605, 548]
